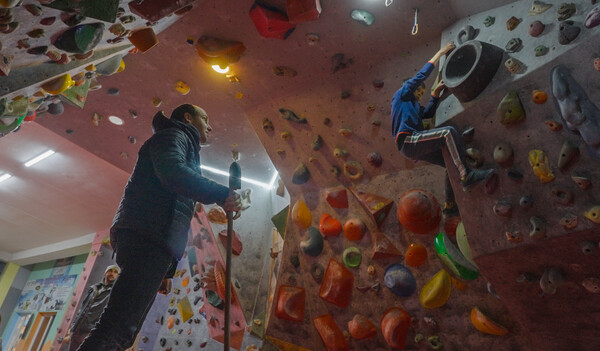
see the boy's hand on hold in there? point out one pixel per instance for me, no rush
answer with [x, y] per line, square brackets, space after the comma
[439, 88]
[447, 48]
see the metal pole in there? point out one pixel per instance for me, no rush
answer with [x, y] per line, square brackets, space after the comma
[235, 182]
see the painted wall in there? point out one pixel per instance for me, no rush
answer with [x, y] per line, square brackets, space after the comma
[41, 271]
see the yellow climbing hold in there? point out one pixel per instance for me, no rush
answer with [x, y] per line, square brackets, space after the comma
[301, 215]
[437, 291]
[239, 95]
[486, 325]
[593, 214]
[541, 167]
[121, 67]
[185, 309]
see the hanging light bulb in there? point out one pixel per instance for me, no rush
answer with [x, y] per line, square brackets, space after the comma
[218, 69]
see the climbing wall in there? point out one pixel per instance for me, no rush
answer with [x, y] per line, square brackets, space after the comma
[534, 229]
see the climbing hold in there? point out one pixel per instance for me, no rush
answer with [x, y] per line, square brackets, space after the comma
[593, 214]
[569, 221]
[435, 343]
[182, 87]
[36, 33]
[510, 110]
[213, 299]
[144, 39]
[538, 227]
[317, 271]
[267, 125]
[526, 201]
[301, 174]
[582, 180]
[96, 118]
[484, 324]
[568, 153]
[419, 211]
[300, 11]
[514, 45]
[338, 62]
[551, 280]
[538, 7]
[536, 28]
[539, 162]
[540, 50]
[465, 34]
[284, 71]
[567, 32]
[362, 16]
[270, 22]
[416, 255]
[503, 208]
[566, 10]
[587, 247]
[117, 29]
[38, 50]
[353, 170]
[491, 184]
[291, 116]
[503, 154]
[394, 327]
[80, 39]
[512, 23]
[352, 257]
[561, 194]
[337, 198]
[156, 102]
[539, 97]
[346, 132]
[334, 170]
[591, 284]
[592, 19]
[23, 43]
[436, 292]
[340, 153]
[112, 91]
[378, 83]
[237, 245]
[314, 244]
[489, 21]
[377, 206]
[312, 39]
[597, 64]
[56, 108]
[513, 65]
[400, 280]
[374, 159]
[383, 247]
[290, 303]
[360, 327]
[454, 259]
[336, 287]
[330, 333]
[301, 215]
[514, 236]
[354, 229]
[58, 85]
[33, 9]
[110, 66]
[329, 226]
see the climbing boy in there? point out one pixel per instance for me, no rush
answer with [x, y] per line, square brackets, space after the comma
[415, 142]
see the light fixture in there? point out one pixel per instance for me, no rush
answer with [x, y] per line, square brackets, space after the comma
[115, 120]
[251, 181]
[39, 158]
[219, 52]
[4, 177]
[218, 69]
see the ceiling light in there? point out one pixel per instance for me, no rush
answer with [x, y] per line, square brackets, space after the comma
[39, 158]
[115, 120]
[251, 181]
[4, 177]
[220, 70]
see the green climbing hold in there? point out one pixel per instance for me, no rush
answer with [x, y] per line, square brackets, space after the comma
[510, 110]
[105, 10]
[214, 299]
[454, 259]
[363, 16]
[80, 39]
[280, 220]
[352, 257]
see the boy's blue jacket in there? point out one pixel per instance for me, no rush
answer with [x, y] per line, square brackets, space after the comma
[407, 114]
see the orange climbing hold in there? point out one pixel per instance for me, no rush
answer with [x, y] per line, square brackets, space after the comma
[486, 325]
[361, 327]
[336, 287]
[301, 215]
[416, 255]
[170, 322]
[330, 333]
[290, 303]
[185, 281]
[354, 229]
[329, 226]
[419, 211]
[394, 325]
[539, 97]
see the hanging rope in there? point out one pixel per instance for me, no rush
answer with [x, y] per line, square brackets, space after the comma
[415, 28]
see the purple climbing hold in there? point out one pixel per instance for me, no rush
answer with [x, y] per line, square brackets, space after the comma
[374, 159]
[536, 28]
[593, 18]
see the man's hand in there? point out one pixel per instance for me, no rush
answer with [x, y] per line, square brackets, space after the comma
[437, 91]
[67, 337]
[233, 204]
[165, 286]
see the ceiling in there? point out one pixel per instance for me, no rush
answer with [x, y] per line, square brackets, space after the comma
[76, 192]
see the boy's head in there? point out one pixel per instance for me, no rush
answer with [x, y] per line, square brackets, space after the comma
[419, 92]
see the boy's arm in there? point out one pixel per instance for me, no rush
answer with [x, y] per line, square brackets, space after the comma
[411, 85]
[429, 111]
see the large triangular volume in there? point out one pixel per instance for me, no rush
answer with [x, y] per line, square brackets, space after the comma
[377, 206]
[280, 220]
[383, 247]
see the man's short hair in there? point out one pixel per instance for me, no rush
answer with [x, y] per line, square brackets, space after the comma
[179, 112]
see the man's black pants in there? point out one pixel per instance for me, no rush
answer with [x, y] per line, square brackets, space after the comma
[143, 265]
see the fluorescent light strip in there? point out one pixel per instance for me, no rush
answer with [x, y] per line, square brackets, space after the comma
[4, 177]
[39, 158]
[251, 181]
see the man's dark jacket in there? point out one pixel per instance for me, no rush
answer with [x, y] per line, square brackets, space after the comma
[160, 195]
[91, 308]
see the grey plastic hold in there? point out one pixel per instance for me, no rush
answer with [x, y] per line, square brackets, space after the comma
[561, 194]
[551, 280]
[503, 208]
[465, 34]
[568, 153]
[474, 157]
[314, 244]
[526, 201]
[538, 227]
[503, 153]
[514, 45]
[567, 32]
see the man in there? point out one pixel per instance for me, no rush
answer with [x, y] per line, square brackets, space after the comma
[416, 143]
[91, 308]
[150, 230]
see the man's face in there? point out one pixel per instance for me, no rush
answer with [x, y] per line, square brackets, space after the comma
[110, 276]
[419, 92]
[200, 121]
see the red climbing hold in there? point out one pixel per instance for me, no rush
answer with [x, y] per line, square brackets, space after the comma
[270, 23]
[300, 11]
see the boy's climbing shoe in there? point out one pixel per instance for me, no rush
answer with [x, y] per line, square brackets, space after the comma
[476, 176]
